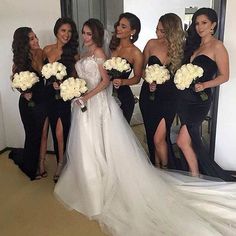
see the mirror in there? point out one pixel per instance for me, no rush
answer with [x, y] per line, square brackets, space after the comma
[108, 11]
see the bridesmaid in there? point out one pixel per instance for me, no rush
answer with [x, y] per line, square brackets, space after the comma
[204, 50]
[122, 45]
[59, 112]
[158, 115]
[27, 56]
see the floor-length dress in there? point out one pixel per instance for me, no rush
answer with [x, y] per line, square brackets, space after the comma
[33, 119]
[109, 178]
[192, 111]
[153, 111]
[58, 110]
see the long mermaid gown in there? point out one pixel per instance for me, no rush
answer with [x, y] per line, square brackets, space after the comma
[192, 111]
[108, 177]
[162, 107]
[33, 119]
[58, 110]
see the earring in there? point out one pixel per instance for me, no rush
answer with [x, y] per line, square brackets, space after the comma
[131, 37]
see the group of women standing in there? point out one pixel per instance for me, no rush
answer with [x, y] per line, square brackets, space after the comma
[108, 176]
[170, 49]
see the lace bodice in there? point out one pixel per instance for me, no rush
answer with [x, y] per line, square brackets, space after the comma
[87, 69]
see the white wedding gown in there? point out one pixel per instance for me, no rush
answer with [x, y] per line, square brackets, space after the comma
[108, 177]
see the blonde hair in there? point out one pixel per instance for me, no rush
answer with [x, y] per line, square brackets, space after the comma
[175, 37]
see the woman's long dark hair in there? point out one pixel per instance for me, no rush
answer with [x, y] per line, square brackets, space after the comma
[97, 29]
[21, 50]
[71, 48]
[135, 24]
[193, 40]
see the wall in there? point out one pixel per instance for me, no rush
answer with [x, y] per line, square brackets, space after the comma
[41, 16]
[226, 121]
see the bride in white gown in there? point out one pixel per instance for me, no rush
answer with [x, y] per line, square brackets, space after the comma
[109, 178]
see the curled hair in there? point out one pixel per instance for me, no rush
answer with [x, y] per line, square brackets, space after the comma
[21, 50]
[174, 34]
[193, 39]
[135, 24]
[97, 30]
[70, 49]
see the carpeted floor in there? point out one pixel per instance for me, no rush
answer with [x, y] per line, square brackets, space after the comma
[29, 208]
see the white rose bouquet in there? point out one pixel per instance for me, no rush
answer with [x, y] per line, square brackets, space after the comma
[116, 67]
[23, 82]
[187, 76]
[156, 74]
[73, 88]
[54, 72]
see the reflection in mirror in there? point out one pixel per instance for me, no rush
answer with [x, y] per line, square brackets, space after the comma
[188, 14]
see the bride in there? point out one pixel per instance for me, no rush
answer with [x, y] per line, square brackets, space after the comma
[108, 177]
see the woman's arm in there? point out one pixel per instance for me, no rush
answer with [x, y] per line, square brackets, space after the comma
[222, 61]
[105, 78]
[137, 69]
[146, 55]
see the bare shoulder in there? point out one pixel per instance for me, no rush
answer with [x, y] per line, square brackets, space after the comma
[136, 51]
[218, 45]
[99, 53]
[39, 52]
[48, 48]
[149, 43]
[152, 42]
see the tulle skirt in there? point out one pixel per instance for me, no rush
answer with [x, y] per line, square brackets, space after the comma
[108, 177]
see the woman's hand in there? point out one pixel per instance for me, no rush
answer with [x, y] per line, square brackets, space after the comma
[56, 85]
[81, 100]
[152, 87]
[117, 83]
[27, 96]
[199, 87]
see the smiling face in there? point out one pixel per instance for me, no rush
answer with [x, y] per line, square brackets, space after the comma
[123, 29]
[204, 27]
[160, 32]
[33, 41]
[64, 33]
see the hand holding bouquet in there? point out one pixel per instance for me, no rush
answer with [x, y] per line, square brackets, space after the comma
[73, 88]
[116, 67]
[55, 72]
[156, 74]
[188, 75]
[23, 82]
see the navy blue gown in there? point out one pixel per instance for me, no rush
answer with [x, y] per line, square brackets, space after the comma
[33, 119]
[58, 109]
[126, 98]
[192, 111]
[153, 111]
